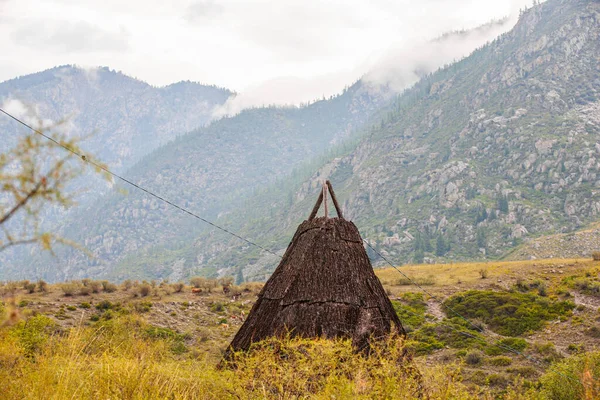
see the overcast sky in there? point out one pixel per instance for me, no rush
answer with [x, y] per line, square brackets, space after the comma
[271, 51]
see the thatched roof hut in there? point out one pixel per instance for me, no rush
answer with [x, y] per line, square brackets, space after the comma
[323, 286]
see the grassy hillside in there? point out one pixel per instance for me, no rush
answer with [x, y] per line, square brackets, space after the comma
[90, 339]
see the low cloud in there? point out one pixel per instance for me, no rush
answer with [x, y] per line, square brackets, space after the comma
[200, 11]
[404, 65]
[30, 114]
[71, 37]
[286, 91]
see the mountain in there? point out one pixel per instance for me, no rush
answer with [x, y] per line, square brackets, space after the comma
[469, 163]
[475, 159]
[126, 118]
[210, 171]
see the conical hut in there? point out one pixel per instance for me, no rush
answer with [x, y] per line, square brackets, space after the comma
[323, 286]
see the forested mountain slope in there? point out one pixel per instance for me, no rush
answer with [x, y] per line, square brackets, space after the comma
[209, 171]
[497, 148]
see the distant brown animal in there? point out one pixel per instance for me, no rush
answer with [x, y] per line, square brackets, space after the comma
[226, 289]
[196, 290]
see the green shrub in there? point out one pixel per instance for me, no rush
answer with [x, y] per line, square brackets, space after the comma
[178, 287]
[474, 358]
[500, 361]
[85, 290]
[96, 286]
[69, 288]
[575, 348]
[33, 333]
[586, 286]
[497, 380]
[127, 284]
[104, 305]
[506, 345]
[71, 308]
[573, 378]
[42, 286]
[411, 310]
[526, 371]
[176, 340]
[593, 331]
[143, 306]
[217, 307]
[30, 287]
[109, 287]
[23, 303]
[508, 313]
[85, 305]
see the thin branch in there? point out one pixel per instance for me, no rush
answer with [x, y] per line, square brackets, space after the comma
[43, 181]
[16, 242]
[21, 203]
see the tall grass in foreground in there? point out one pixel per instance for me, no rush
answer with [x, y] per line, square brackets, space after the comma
[120, 359]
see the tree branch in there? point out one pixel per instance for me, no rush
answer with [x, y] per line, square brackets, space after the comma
[21, 203]
[16, 242]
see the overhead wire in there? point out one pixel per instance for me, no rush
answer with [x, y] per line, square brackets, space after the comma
[161, 198]
[214, 225]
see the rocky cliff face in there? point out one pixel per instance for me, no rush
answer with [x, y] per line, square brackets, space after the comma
[477, 158]
[473, 160]
[500, 147]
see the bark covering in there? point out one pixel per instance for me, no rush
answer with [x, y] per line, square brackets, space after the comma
[323, 286]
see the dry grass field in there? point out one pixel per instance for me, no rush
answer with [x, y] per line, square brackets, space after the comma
[535, 334]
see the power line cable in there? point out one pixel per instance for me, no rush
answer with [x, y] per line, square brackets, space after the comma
[103, 168]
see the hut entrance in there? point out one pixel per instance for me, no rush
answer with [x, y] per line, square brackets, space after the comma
[323, 286]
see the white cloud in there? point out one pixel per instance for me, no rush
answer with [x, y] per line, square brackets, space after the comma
[269, 51]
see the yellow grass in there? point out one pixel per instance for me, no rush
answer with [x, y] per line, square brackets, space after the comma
[462, 275]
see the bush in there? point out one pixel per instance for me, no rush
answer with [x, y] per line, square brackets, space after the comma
[85, 290]
[500, 361]
[143, 306]
[226, 281]
[483, 273]
[573, 378]
[69, 288]
[217, 307]
[497, 380]
[104, 305]
[145, 289]
[506, 313]
[127, 284]
[586, 286]
[85, 305]
[110, 287]
[33, 333]
[596, 255]
[505, 345]
[30, 287]
[593, 331]
[203, 283]
[411, 310]
[95, 286]
[42, 286]
[474, 358]
[178, 287]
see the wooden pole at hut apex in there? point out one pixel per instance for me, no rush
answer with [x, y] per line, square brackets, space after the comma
[325, 200]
